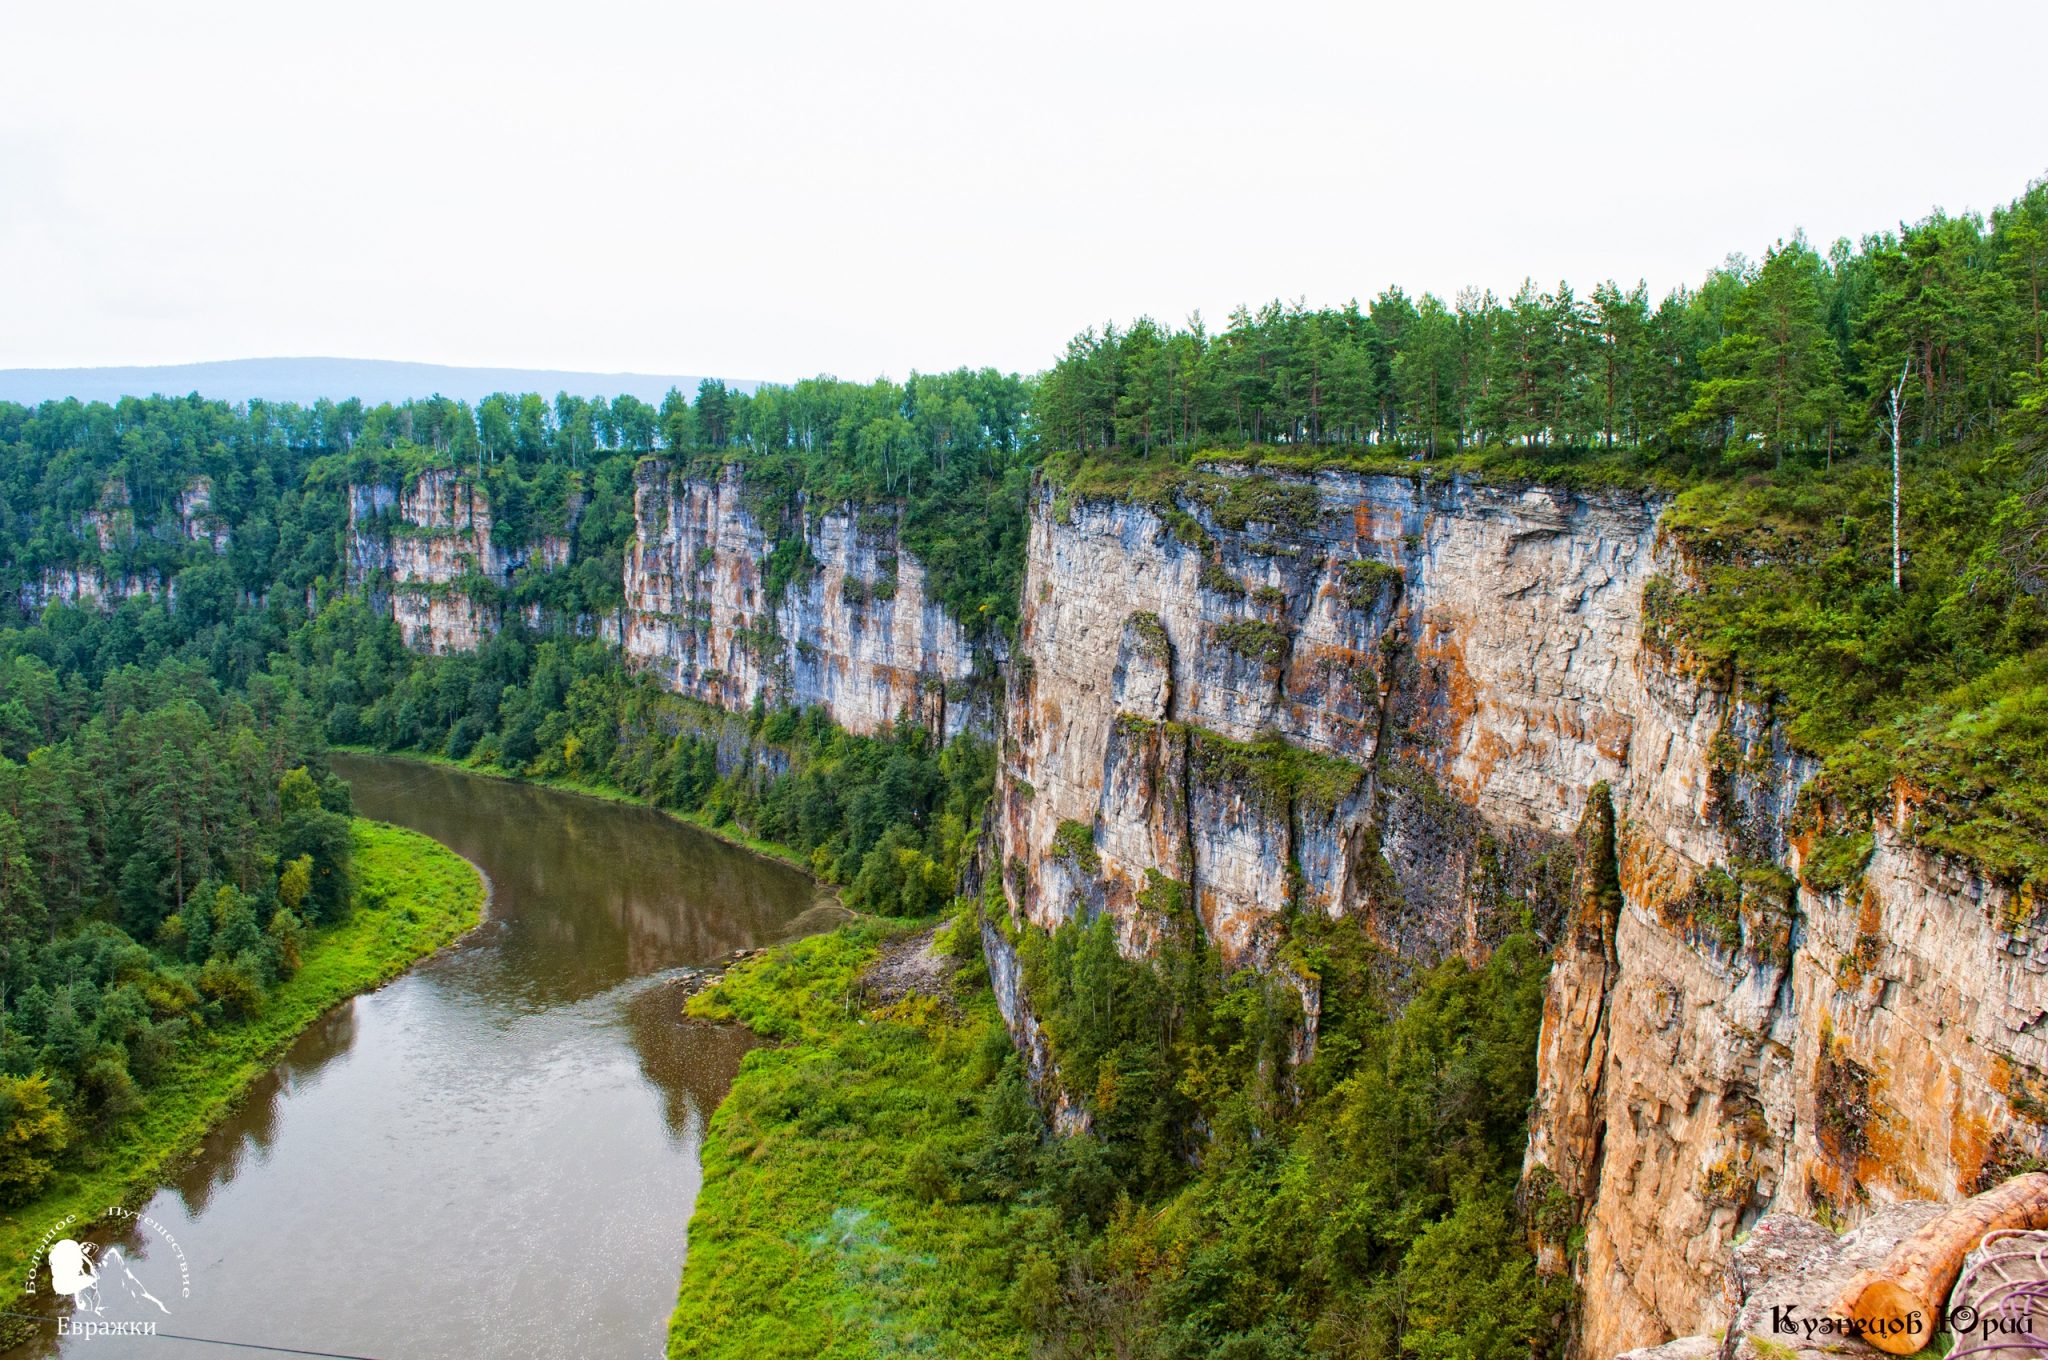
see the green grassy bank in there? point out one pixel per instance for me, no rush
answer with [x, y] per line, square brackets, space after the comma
[830, 1225]
[414, 896]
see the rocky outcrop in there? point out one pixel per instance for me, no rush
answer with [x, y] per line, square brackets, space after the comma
[1412, 703]
[1356, 696]
[815, 605]
[108, 530]
[86, 586]
[1778, 1297]
[1776, 1048]
[849, 629]
[428, 551]
[198, 521]
[111, 523]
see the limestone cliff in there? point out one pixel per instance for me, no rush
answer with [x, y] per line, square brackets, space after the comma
[86, 585]
[428, 550]
[198, 520]
[1757, 1044]
[850, 627]
[105, 533]
[1400, 701]
[1352, 695]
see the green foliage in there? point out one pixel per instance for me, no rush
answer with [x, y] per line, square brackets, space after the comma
[1837, 860]
[33, 1134]
[889, 816]
[882, 1180]
[953, 451]
[1759, 364]
[1151, 633]
[1076, 840]
[1365, 580]
[177, 872]
[1936, 688]
[790, 561]
[1975, 764]
[1771, 384]
[797, 992]
[141, 836]
[1279, 774]
[1213, 577]
[837, 1217]
[1394, 1182]
[1239, 502]
[1254, 639]
[1795, 596]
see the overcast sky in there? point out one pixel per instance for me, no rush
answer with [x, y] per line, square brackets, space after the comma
[770, 190]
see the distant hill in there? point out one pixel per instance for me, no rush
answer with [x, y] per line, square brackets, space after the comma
[307, 380]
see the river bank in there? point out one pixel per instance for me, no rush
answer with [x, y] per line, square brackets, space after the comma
[840, 1214]
[414, 897]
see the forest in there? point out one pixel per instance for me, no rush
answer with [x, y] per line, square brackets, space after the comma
[169, 833]
[1791, 356]
[164, 849]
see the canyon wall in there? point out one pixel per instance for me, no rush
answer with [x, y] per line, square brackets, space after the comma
[1356, 696]
[1431, 707]
[427, 551]
[850, 627]
[109, 529]
[1407, 702]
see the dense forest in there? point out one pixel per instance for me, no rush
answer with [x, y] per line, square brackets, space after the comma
[164, 847]
[168, 830]
[953, 450]
[1791, 356]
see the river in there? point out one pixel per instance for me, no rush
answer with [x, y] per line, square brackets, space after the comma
[497, 1153]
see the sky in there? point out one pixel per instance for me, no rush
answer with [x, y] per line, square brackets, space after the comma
[771, 189]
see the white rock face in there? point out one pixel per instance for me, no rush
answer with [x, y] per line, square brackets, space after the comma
[112, 523]
[1732, 1043]
[198, 520]
[1503, 620]
[86, 586]
[428, 550]
[853, 632]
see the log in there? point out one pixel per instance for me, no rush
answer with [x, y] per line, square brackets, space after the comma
[1898, 1306]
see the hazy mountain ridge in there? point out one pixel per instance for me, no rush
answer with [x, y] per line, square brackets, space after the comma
[305, 380]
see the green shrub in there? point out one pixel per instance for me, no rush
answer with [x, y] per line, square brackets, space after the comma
[1255, 640]
[1076, 841]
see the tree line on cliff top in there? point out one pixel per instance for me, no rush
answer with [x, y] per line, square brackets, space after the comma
[1791, 356]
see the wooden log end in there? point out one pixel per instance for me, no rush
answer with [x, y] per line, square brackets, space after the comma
[1890, 1316]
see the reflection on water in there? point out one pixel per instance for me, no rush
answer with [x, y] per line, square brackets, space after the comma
[495, 1155]
[250, 1131]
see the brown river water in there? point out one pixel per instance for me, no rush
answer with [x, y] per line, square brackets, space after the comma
[495, 1155]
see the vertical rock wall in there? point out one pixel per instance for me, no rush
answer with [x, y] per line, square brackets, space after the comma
[110, 530]
[1390, 700]
[427, 550]
[1349, 695]
[852, 630]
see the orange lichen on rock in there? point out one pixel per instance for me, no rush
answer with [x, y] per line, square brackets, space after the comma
[1442, 654]
[1651, 876]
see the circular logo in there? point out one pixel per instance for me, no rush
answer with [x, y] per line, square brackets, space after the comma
[118, 1287]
